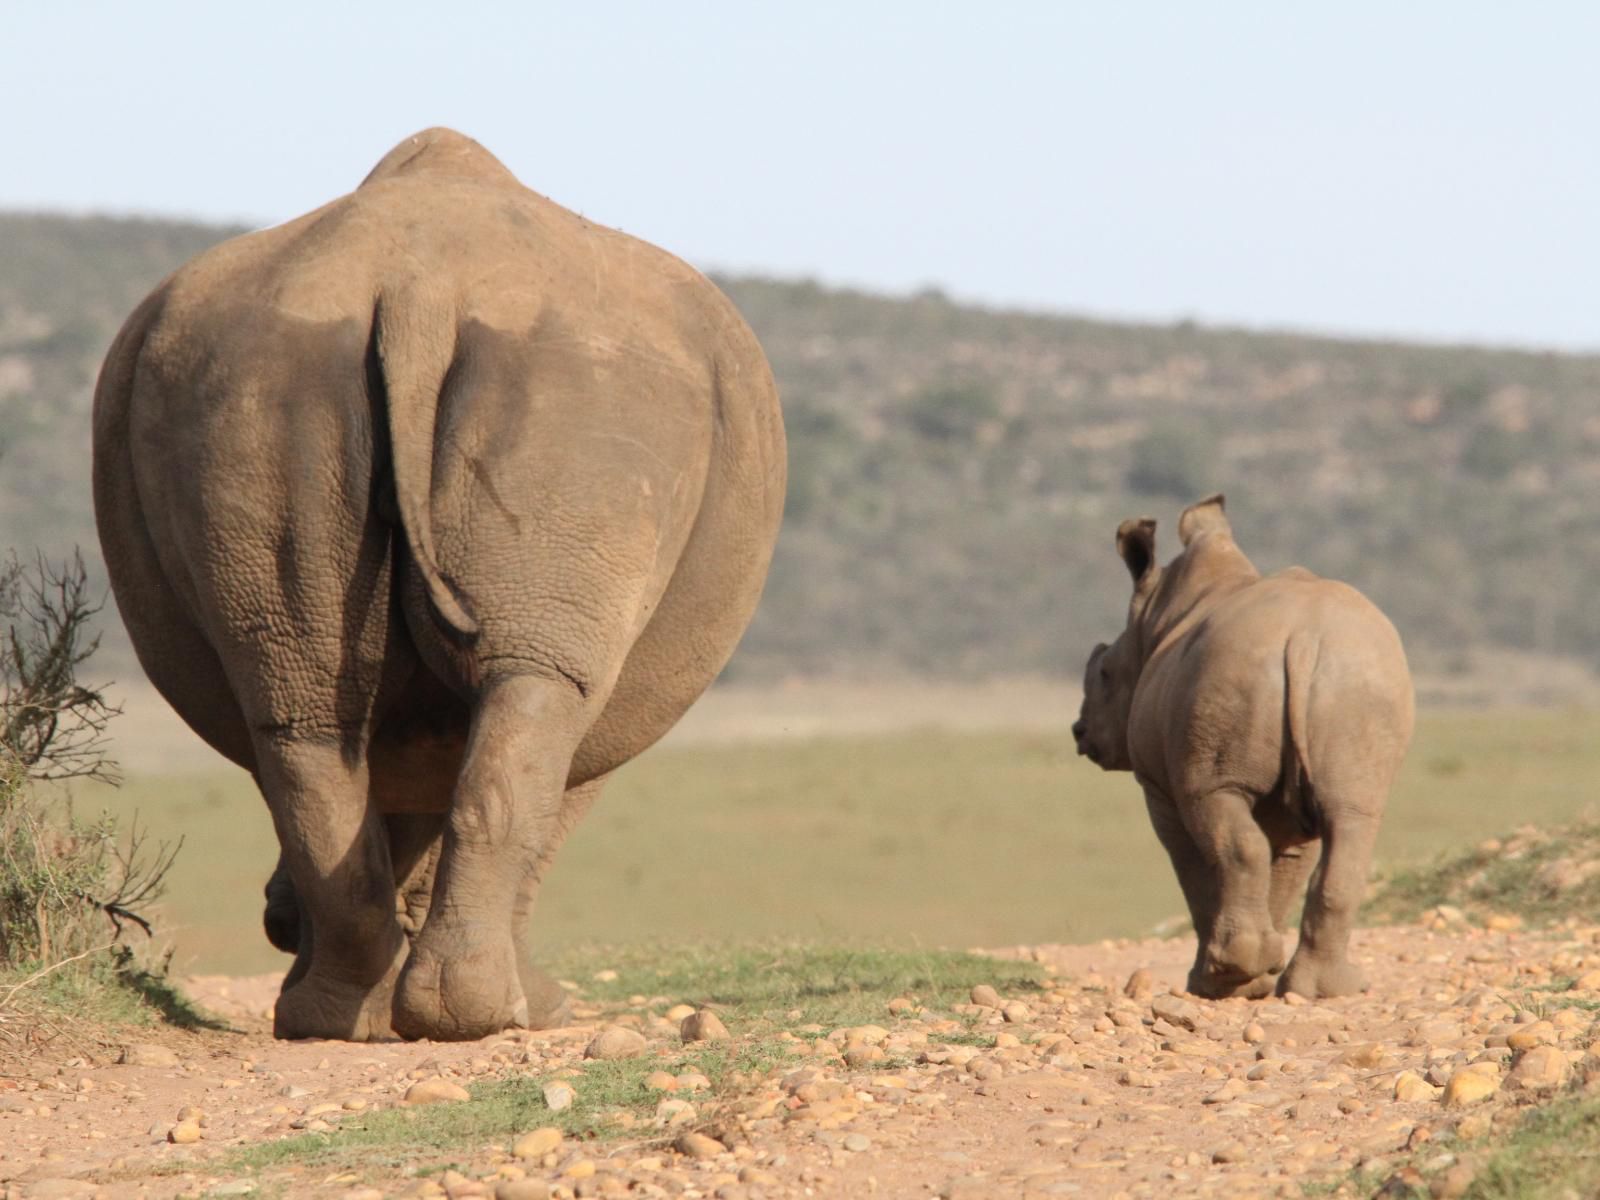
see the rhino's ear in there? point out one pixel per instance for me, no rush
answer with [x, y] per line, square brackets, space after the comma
[1136, 543]
[1201, 516]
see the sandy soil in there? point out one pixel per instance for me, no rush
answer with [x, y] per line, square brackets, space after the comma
[1082, 1091]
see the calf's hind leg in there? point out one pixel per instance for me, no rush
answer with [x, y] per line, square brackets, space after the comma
[1242, 945]
[1321, 965]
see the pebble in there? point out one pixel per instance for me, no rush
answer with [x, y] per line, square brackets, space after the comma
[699, 1145]
[1411, 1088]
[702, 1026]
[1454, 1183]
[1364, 1056]
[1469, 1086]
[537, 1143]
[1540, 1068]
[558, 1096]
[522, 1189]
[1140, 984]
[184, 1133]
[857, 1143]
[674, 1112]
[1176, 1011]
[1539, 1033]
[985, 995]
[616, 1041]
[147, 1054]
[436, 1091]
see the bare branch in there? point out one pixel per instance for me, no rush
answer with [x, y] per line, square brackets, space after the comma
[49, 723]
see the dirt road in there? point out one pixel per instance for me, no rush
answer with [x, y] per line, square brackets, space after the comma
[1079, 1090]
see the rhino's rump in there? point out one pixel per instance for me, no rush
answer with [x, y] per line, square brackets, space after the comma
[1284, 689]
[604, 476]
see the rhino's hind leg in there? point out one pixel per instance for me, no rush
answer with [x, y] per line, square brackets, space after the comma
[548, 1003]
[1321, 965]
[463, 979]
[337, 857]
[1242, 945]
[1291, 865]
[415, 840]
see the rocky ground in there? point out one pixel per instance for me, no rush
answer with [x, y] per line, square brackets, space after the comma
[1102, 1084]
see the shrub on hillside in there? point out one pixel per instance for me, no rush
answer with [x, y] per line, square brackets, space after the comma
[1174, 460]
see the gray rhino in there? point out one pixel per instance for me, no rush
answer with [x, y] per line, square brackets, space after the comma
[431, 508]
[1265, 718]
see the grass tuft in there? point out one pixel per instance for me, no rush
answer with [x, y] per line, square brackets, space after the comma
[1517, 874]
[790, 983]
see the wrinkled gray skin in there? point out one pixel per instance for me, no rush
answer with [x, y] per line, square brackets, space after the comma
[1265, 719]
[431, 508]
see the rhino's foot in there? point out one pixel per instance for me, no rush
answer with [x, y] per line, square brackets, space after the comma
[320, 1008]
[470, 993]
[549, 1006]
[1316, 979]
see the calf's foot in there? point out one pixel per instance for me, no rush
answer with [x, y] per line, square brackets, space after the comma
[1316, 978]
[1233, 959]
[1258, 988]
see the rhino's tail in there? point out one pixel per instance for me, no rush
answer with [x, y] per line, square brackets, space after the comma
[1300, 655]
[414, 334]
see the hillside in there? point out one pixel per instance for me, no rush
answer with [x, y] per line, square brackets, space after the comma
[957, 472]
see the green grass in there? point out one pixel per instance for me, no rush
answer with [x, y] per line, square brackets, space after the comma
[940, 839]
[1554, 1153]
[109, 988]
[449, 1135]
[788, 985]
[1551, 1153]
[1488, 881]
[760, 992]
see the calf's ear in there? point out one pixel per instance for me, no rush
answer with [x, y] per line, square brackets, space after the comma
[1136, 543]
[1201, 516]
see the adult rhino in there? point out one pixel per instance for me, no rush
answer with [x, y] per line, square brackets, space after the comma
[1265, 717]
[431, 508]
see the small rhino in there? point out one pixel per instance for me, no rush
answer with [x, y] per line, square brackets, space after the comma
[1265, 717]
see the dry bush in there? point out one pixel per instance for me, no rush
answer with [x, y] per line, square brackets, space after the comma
[69, 888]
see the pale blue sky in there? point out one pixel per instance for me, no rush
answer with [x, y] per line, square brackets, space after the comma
[1421, 169]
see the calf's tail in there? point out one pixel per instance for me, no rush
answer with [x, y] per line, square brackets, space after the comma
[1299, 667]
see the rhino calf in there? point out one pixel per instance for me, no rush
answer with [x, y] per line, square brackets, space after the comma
[1265, 717]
